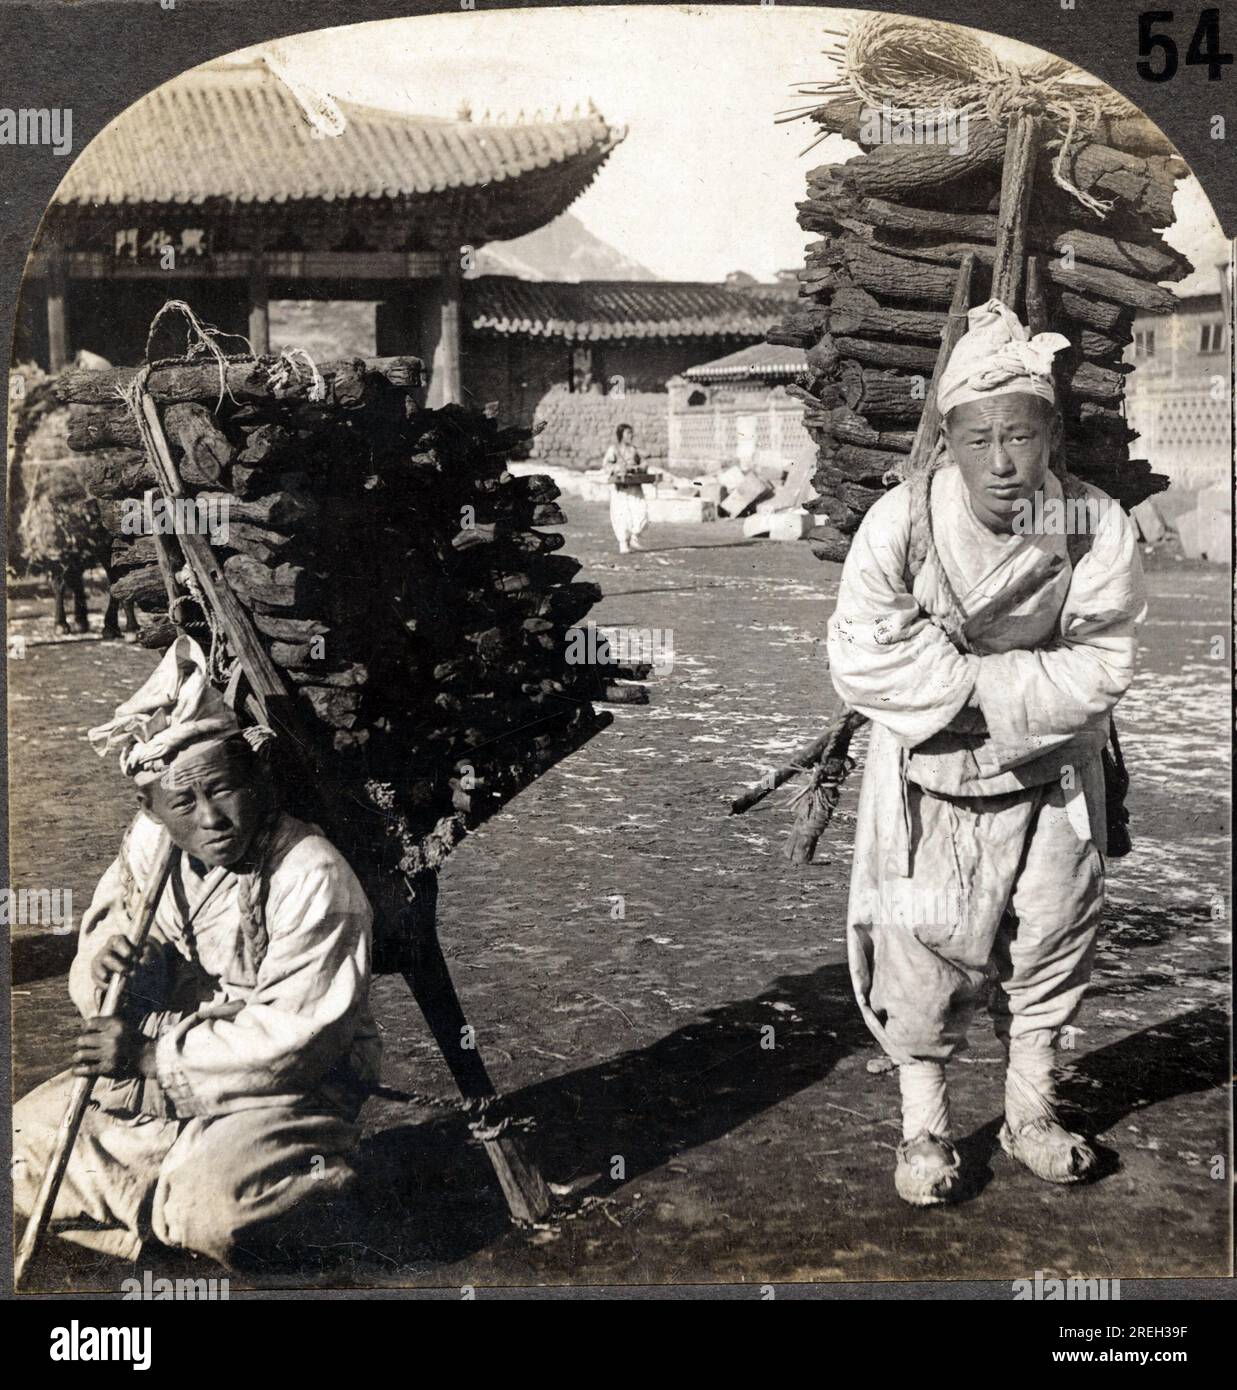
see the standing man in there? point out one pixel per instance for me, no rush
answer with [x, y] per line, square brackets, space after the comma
[229, 1085]
[979, 850]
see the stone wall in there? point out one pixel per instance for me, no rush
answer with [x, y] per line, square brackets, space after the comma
[580, 426]
[1177, 398]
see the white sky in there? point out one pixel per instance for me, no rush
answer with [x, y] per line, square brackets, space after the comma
[705, 181]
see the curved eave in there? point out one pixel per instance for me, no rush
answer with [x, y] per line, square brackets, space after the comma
[584, 166]
[768, 376]
[240, 135]
[610, 332]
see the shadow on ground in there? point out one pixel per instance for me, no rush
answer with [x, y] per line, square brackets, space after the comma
[429, 1197]
[647, 1105]
[1179, 1057]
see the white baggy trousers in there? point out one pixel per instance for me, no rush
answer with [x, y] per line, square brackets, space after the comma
[219, 1185]
[1002, 903]
[629, 513]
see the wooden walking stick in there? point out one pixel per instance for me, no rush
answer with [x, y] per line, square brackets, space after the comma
[66, 1136]
[801, 761]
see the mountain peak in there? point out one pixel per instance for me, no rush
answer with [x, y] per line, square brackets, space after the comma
[564, 249]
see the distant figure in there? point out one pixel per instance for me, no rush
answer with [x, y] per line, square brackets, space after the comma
[629, 512]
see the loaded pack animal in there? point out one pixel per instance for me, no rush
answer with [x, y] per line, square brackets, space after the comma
[60, 532]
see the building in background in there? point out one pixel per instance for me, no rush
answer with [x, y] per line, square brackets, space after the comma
[1178, 399]
[604, 337]
[580, 358]
[736, 409]
[230, 188]
[295, 221]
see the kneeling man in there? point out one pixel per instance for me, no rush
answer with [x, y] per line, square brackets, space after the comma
[988, 650]
[229, 1084]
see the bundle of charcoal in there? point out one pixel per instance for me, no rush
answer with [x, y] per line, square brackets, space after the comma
[394, 572]
[896, 221]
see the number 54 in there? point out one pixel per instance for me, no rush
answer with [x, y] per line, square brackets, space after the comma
[1204, 47]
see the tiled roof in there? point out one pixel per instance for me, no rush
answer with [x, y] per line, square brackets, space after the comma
[760, 362]
[597, 310]
[238, 133]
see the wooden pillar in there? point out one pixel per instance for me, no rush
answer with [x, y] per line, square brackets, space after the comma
[259, 308]
[446, 385]
[57, 311]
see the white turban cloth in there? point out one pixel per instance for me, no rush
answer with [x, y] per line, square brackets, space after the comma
[996, 356]
[176, 710]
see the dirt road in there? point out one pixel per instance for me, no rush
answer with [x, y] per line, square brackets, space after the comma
[621, 945]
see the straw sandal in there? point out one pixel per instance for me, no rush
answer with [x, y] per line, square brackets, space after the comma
[1049, 1150]
[928, 1170]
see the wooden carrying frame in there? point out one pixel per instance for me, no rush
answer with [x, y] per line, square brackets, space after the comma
[826, 758]
[267, 701]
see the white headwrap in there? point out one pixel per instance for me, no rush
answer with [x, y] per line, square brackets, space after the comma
[996, 356]
[175, 712]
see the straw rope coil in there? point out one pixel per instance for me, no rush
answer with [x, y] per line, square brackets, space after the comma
[918, 64]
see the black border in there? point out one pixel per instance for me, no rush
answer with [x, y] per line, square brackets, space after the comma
[99, 56]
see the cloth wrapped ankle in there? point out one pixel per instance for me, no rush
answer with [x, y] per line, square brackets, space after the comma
[1032, 1133]
[928, 1164]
